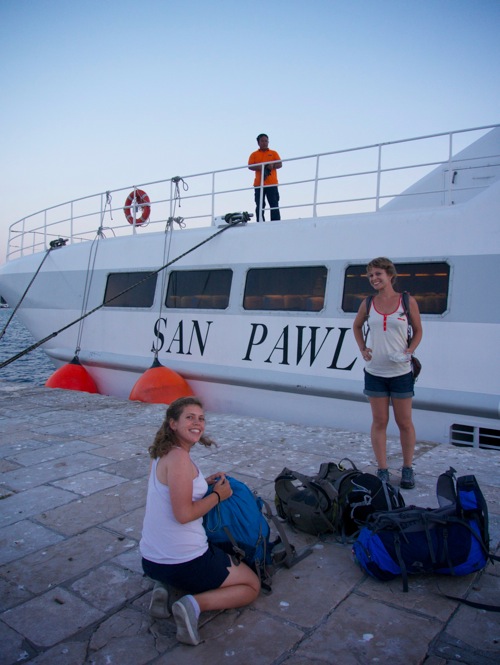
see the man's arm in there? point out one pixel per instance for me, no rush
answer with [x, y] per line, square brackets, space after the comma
[252, 164]
[257, 166]
[276, 165]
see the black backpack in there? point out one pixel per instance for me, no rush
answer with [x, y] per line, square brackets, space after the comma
[338, 499]
[450, 540]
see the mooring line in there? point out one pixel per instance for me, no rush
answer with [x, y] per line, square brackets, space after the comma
[34, 346]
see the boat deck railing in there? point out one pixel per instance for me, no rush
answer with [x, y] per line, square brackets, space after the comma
[357, 180]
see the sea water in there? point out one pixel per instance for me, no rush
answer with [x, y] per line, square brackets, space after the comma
[34, 367]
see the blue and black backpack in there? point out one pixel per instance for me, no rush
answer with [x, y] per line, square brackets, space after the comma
[240, 526]
[450, 540]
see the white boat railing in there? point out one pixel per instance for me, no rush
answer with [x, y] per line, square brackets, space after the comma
[363, 179]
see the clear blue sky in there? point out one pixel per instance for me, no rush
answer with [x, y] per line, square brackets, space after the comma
[99, 94]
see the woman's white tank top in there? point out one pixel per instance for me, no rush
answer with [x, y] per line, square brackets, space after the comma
[388, 337]
[164, 539]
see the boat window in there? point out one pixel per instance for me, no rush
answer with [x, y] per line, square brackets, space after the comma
[300, 289]
[199, 289]
[427, 282]
[119, 291]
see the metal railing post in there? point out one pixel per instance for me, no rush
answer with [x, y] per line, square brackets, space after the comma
[171, 202]
[134, 203]
[450, 177]
[379, 175]
[315, 199]
[23, 235]
[212, 222]
[260, 206]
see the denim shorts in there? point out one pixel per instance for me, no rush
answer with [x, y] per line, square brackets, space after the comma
[204, 573]
[397, 387]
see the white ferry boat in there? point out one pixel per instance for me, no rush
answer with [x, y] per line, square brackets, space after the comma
[257, 317]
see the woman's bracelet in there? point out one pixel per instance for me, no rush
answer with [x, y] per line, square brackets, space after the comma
[218, 495]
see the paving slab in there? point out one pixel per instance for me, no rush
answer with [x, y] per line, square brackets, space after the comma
[23, 537]
[24, 505]
[92, 510]
[58, 563]
[66, 653]
[12, 594]
[73, 478]
[52, 472]
[109, 587]
[51, 617]
[359, 632]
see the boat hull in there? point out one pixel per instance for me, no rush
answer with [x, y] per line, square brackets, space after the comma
[302, 366]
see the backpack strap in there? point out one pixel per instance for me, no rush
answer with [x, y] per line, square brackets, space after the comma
[470, 499]
[291, 556]
[401, 562]
[405, 299]
[366, 325]
[239, 554]
[472, 603]
[317, 485]
[445, 488]
[325, 467]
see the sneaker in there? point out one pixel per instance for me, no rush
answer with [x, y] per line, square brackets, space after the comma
[407, 478]
[186, 621]
[174, 594]
[158, 607]
[383, 475]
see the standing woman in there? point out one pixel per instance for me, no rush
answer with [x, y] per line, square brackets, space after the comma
[388, 375]
[174, 545]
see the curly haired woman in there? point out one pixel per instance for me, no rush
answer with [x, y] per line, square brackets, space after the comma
[174, 547]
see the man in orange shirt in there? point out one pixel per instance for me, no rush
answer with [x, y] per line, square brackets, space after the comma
[270, 189]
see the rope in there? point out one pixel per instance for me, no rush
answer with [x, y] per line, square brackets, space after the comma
[100, 230]
[55, 244]
[90, 269]
[177, 191]
[169, 229]
[109, 198]
[230, 224]
[86, 291]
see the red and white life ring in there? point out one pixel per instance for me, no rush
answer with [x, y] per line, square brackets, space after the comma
[140, 199]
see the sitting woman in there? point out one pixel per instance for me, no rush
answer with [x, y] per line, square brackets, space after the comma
[174, 544]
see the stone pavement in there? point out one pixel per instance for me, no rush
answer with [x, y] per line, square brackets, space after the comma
[74, 468]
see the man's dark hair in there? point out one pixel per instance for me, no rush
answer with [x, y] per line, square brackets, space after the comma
[260, 136]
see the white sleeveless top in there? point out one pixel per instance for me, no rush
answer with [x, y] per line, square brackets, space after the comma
[388, 336]
[164, 539]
